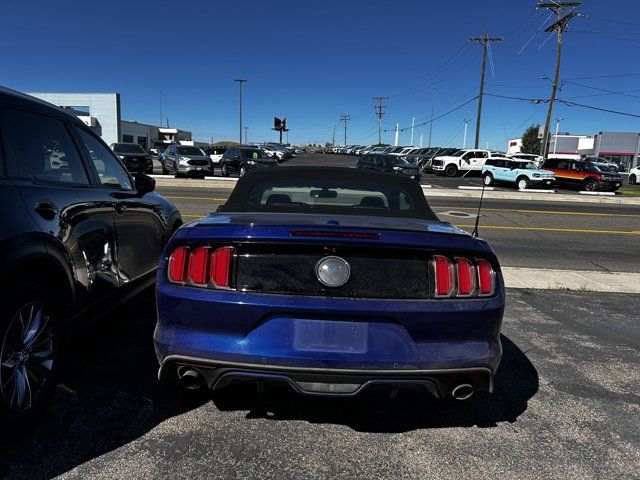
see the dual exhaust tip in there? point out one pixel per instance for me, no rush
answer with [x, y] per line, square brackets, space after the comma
[462, 391]
[190, 378]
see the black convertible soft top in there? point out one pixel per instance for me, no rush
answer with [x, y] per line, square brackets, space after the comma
[242, 198]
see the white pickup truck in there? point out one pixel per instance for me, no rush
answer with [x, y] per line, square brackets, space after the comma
[460, 161]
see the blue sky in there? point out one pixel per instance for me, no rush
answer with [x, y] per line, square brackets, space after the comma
[313, 61]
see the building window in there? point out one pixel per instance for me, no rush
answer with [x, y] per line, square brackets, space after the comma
[127, 138]
[142, 141]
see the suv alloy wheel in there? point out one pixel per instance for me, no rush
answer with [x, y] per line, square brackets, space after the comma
[523, 183]
[488, 179]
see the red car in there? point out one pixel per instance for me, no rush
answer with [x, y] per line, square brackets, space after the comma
[584, 175]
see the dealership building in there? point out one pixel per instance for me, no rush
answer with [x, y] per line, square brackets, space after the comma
[101, 112]
[619, 147]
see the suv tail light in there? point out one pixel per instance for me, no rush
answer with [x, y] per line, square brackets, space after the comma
[201, 267]
[462, 277]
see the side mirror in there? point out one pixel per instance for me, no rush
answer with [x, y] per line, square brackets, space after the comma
[144, 184]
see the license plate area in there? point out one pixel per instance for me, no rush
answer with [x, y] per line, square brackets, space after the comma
[330, 336]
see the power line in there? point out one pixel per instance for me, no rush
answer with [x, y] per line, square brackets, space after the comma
[609, 92]
[435, 118]
[606, 35]
[612, 20]
[604, 76]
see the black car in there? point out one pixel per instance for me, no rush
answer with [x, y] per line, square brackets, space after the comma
[78, 235]
[134, 157]
[388, 163]
[242, 159]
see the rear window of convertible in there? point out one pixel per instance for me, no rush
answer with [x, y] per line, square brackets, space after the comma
[321, 195]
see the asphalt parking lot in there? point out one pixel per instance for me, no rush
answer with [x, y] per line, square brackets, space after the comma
[566, 406]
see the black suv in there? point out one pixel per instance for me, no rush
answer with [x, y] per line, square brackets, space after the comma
[134, 157]
[389, 163]
[242, 159]
[78, 235]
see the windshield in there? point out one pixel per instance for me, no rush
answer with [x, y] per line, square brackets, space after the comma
[128, 148]
[590, 167]
[401, 162]
[526, 165]
[189, 151]
[457, 153]
[252, 153]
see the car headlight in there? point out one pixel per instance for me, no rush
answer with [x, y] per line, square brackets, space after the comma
[251, 162]
[184, 159]
[121, 157]
[397, 169]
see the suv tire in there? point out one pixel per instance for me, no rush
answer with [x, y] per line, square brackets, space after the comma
[591, 185]
[488, 179]
[522, 183]
[632, 179]
[451, 171]
[29, 357]
[224, 170]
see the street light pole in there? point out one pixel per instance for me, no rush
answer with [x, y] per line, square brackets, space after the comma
[555, 139]
[240, 82]
[464, 138]
[433, 102]
[413, 122]
[160, 108]
[246, 129]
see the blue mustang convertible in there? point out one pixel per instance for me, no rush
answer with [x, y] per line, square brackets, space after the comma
[330, 280]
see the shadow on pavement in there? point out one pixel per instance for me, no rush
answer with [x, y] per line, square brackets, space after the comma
[109, 395]
[516, 383]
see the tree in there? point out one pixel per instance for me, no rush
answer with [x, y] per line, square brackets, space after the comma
[530, 141]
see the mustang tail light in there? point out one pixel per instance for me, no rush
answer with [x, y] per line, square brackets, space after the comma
[461, 277]
[201, 266]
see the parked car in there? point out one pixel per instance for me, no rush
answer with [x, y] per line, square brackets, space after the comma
[332, 281]
[521, 173]
[583, 175]
[383, 162]
[215, 153]
[134, 157]
[603, 164]
[634, 176]
[242, 159]
[186, 160]
[425, 161]
[537, 159]
[460, 161]
[277, 151]
[76, 241]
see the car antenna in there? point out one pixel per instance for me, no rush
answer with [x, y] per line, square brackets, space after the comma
[475, 229]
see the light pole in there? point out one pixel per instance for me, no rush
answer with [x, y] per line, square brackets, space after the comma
[160, 108]
[433, 102]
[246, 129]
[555, 139]
[413, 122]
[240, 82]
[464, 138]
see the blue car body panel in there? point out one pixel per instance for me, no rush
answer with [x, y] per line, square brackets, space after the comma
[204, 326]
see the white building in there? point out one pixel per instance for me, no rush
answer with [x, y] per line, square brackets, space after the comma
[101, 112]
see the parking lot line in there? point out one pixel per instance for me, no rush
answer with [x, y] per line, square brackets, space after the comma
[551, 229]
[541, 212]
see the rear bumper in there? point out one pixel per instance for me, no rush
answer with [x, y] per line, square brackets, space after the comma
[250, 335]
[328, 382]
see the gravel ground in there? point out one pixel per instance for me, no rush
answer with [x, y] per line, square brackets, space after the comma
[566, 406]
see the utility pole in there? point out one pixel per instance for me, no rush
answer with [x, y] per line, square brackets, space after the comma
[345, 121]
[160, 108]
[559, 26]
[380, 114]
[433, 103]
[485, 40]
[421, 140]
[464, 138]
[397, 131]
[246, 135]
[333, 143]
[240, 82]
